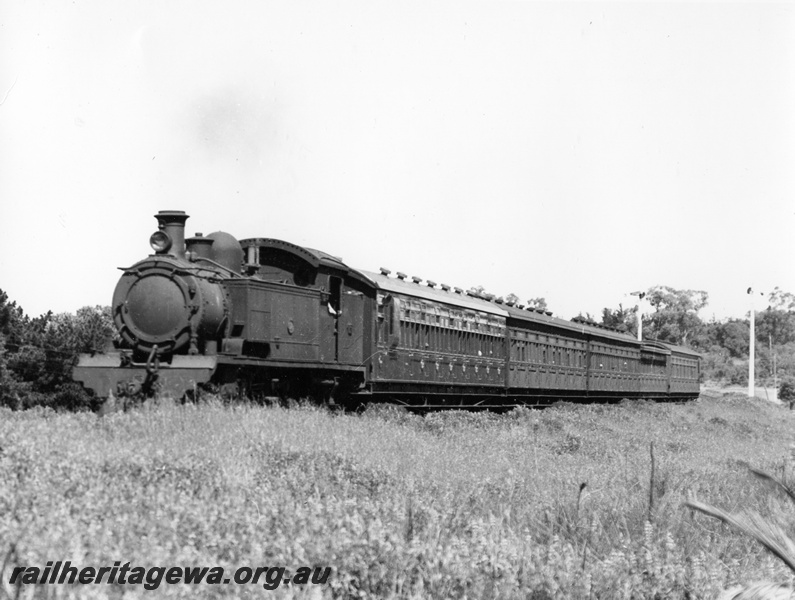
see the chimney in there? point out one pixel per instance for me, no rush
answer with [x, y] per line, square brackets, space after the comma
[172, 222]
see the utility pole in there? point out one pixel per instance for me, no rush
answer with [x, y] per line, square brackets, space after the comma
[640, 296]
[773, 359]
[751, 352]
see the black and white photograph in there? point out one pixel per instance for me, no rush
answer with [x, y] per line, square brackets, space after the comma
[401, 300]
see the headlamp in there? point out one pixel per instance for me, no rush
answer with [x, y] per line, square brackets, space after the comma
[160, 242]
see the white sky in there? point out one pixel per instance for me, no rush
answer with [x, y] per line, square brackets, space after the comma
[576, 151]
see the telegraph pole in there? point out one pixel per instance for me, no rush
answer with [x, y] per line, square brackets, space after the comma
[751, 359]
[775, 372]
[640, 296]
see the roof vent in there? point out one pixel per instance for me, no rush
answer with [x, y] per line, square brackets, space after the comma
[385, 272]
[416, 279]
[458, 290]
[401, 276]
[445, 287]
[430, 284]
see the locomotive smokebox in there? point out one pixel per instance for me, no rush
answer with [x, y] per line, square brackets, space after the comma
[158, 302]
[172, 224]
[167, 303]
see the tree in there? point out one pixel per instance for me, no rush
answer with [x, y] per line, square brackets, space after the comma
[781, 300]
[67, 335]
[87, 331]
[585, 318]
[675, 318]
[778, 320]
[537, 303]
[621, 318]
[775, 335]
[13, 321]
[37, 355]
[733, 336]
[10, 385]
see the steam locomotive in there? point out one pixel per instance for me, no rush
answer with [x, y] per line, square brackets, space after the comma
[264, 317]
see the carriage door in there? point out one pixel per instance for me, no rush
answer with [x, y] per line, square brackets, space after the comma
[350, 329]
[344, 324]
[328, 320]
[335, 307]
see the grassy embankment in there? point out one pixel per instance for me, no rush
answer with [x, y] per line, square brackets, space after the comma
[399, 505]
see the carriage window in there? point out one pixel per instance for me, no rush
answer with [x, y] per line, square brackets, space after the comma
[392, 309]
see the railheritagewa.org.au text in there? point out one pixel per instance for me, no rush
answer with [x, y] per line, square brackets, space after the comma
[64, 572]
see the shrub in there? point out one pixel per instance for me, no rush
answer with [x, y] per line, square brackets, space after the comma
[37, 355]
[786, 389]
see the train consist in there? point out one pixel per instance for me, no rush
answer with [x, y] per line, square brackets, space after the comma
[264, 317]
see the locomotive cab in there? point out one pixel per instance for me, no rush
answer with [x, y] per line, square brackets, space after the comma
[298, 304]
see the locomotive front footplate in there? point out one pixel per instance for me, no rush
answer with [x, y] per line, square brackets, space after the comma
[112, 372]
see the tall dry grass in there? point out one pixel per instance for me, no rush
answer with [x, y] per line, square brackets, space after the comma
[770, 534]
[560, 503]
